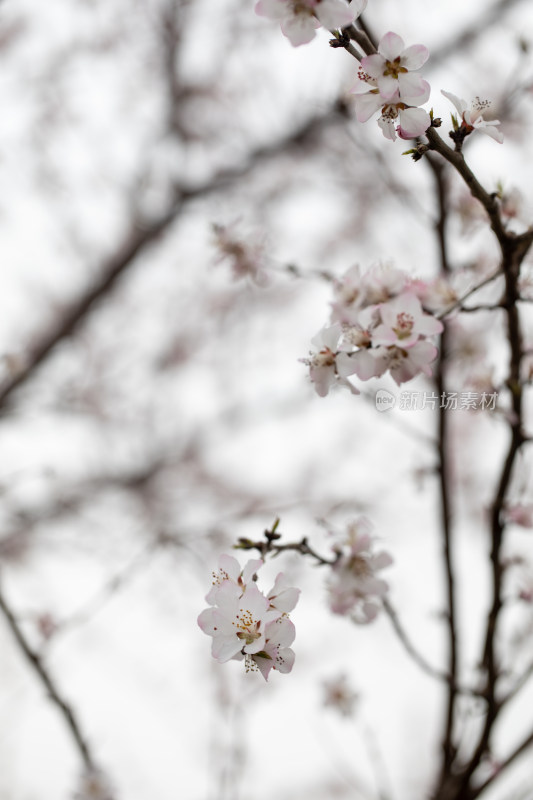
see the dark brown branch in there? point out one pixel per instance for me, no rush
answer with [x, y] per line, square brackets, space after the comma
[448, 747]
[513, 250]
[502, 766]
[49, 684]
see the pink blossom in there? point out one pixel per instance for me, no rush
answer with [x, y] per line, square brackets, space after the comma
[94, 785]
[230, 571]
[282, 596]
[244, 624]
[413, 121]
[328, 365]
[276, 654]
[237, 624]
[300, 18]
[391, 66]
[405, 363]
[339, 695]
[353, 586]
[403, 322]
[472, 117]
[521, 514]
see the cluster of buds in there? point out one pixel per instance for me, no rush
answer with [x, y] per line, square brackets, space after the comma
[388, 82]
[378, 325]
[245, 623]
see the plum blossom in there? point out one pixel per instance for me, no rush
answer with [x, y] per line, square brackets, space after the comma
[94, 785]
[340, 696]
[356, 291]
[237, 624]
[392, 65]
[282, 596]
[521, 514]
[385, 83]
[327, 365]
[405, 363]
[472, 117]
[243, 252]
[246, 624]
[229, 570]
[354, 588]
[413, 121]
[299, 19]
[379, 325]
[403, 321]
[276, 654]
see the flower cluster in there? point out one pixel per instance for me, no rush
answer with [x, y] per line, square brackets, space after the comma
[245, 623]
[300, 18]
[388, 82]
[378, 324]
[353, 586]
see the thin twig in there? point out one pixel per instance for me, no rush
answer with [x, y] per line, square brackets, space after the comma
[36, 662]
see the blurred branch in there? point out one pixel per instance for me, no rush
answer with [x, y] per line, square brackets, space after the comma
[503, 765]
[36, 662]
[146, 232]
[462, 42]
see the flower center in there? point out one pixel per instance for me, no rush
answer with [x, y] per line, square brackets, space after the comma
[394, 68]
[325, 358]
[302, 7]
[247, 626]
[359, 566]
[404, 325]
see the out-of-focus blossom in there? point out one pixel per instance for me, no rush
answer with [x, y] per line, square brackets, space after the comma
[392, 67]
[380, 325]
[339, 695]
[244, 254]
[354, 587]
[405, 363]
[521, 514]
[299, 19]
[437, 295]
[472, 116]
[327, 365]
[94, 785]
[403, 322]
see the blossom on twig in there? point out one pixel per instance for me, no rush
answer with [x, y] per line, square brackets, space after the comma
[246, 624]
[472, 116]
[300, 18]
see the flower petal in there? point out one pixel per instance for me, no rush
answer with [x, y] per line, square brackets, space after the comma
[391, 46]
[415, 56]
